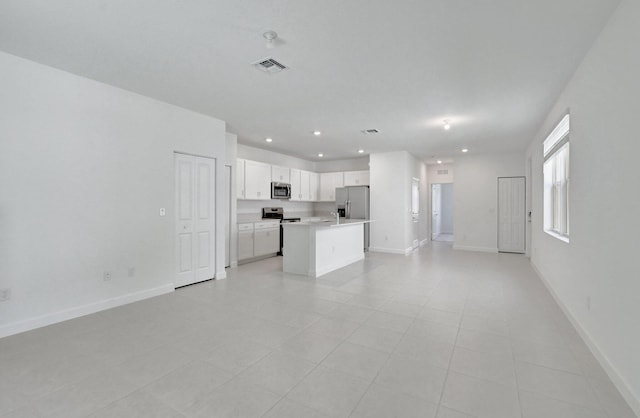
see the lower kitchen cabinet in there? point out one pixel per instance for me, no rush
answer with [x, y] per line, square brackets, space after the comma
[245, 241]
[266, 239]
[258, 239]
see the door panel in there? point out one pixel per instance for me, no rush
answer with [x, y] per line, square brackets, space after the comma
[436, 206]
[195, 227]
[511, 214]
[184, 253]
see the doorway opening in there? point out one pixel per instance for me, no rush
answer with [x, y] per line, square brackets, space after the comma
[442, 212]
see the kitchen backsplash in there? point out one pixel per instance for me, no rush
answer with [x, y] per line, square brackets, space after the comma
[250, 210]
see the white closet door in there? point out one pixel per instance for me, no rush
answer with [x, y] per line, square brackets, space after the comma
[436, 206]
[511, 214]
[195, 227]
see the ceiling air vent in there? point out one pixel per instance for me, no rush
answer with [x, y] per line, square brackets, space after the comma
[443, 172]
[370, 131]
[269, 65]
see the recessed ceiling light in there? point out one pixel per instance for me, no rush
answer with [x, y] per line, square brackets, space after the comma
[439, 161]
[321, 155]
[465, 150]
[447, 125]
[271, 37]
[317, 133]
[268, 139]
[360, 151]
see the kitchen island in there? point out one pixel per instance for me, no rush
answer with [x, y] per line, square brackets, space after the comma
[316, 248]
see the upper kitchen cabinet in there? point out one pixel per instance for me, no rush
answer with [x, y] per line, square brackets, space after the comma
[280, 174]
[240, 178]
[305, 191]
[356, 178]
[314, 187]
[328, 184]
[256, 180]
[296, 191]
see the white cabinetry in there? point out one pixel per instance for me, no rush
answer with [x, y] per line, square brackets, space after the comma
[258, 239]
[328, 184]
[304, 186]
[256, 180]
[280, 174]
[296, 192]
[314, 187]
[240, 179]
[356, 178]
[266, 238]
[245, 241]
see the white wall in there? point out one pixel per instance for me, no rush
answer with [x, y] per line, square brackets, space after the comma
[446, 209]
[475, 219]
[274, 158]
[390, 176]
[84, 170]
[418, 170]
[353, 164]
[435, 178]
[231, 153]
[600, 262]
[388, 201]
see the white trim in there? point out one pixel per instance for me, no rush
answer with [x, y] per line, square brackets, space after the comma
[618, 381]
[424, 242]
[564, 238]
[221, 275]
[478, 249]
[327, 269]
[64, 315]
[386, 250]
[555, 137]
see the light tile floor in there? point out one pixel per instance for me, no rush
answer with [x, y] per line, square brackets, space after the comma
[439, 333]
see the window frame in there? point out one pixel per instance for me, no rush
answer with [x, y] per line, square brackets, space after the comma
[556, 181]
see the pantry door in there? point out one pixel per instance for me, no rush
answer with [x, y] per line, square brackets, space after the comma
[511, 214]
[195, 219]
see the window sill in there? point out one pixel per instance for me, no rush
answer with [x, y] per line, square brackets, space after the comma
[564, 238]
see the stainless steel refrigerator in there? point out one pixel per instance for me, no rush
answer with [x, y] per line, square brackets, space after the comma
[353, 203]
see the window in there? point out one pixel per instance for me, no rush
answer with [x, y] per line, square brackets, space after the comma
[415, 198]
[556, 181]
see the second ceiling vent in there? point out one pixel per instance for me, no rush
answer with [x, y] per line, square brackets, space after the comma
[269, 65]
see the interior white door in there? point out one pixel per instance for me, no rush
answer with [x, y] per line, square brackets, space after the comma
[511, 214]
[436, 206]
[227, 221]
[195, 226]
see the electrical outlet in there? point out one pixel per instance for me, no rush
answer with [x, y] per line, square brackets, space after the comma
[132, 271]
[5, 294]
[588, 303]
[163, 211]
[107, 276]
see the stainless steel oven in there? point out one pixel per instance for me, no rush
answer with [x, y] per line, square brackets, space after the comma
[280, 190]
[278, 213]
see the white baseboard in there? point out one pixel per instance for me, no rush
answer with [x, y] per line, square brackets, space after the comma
[619, 382]
[478, 249]
[386, 250]
[221, 275]
[55, 317]
[424, 242]
[321, 272]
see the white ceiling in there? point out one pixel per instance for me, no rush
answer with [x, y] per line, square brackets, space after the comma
[492, 67]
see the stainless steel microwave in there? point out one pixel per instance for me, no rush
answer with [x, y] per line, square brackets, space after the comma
[280, 190]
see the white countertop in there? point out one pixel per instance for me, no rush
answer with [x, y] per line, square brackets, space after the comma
[324, 223]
